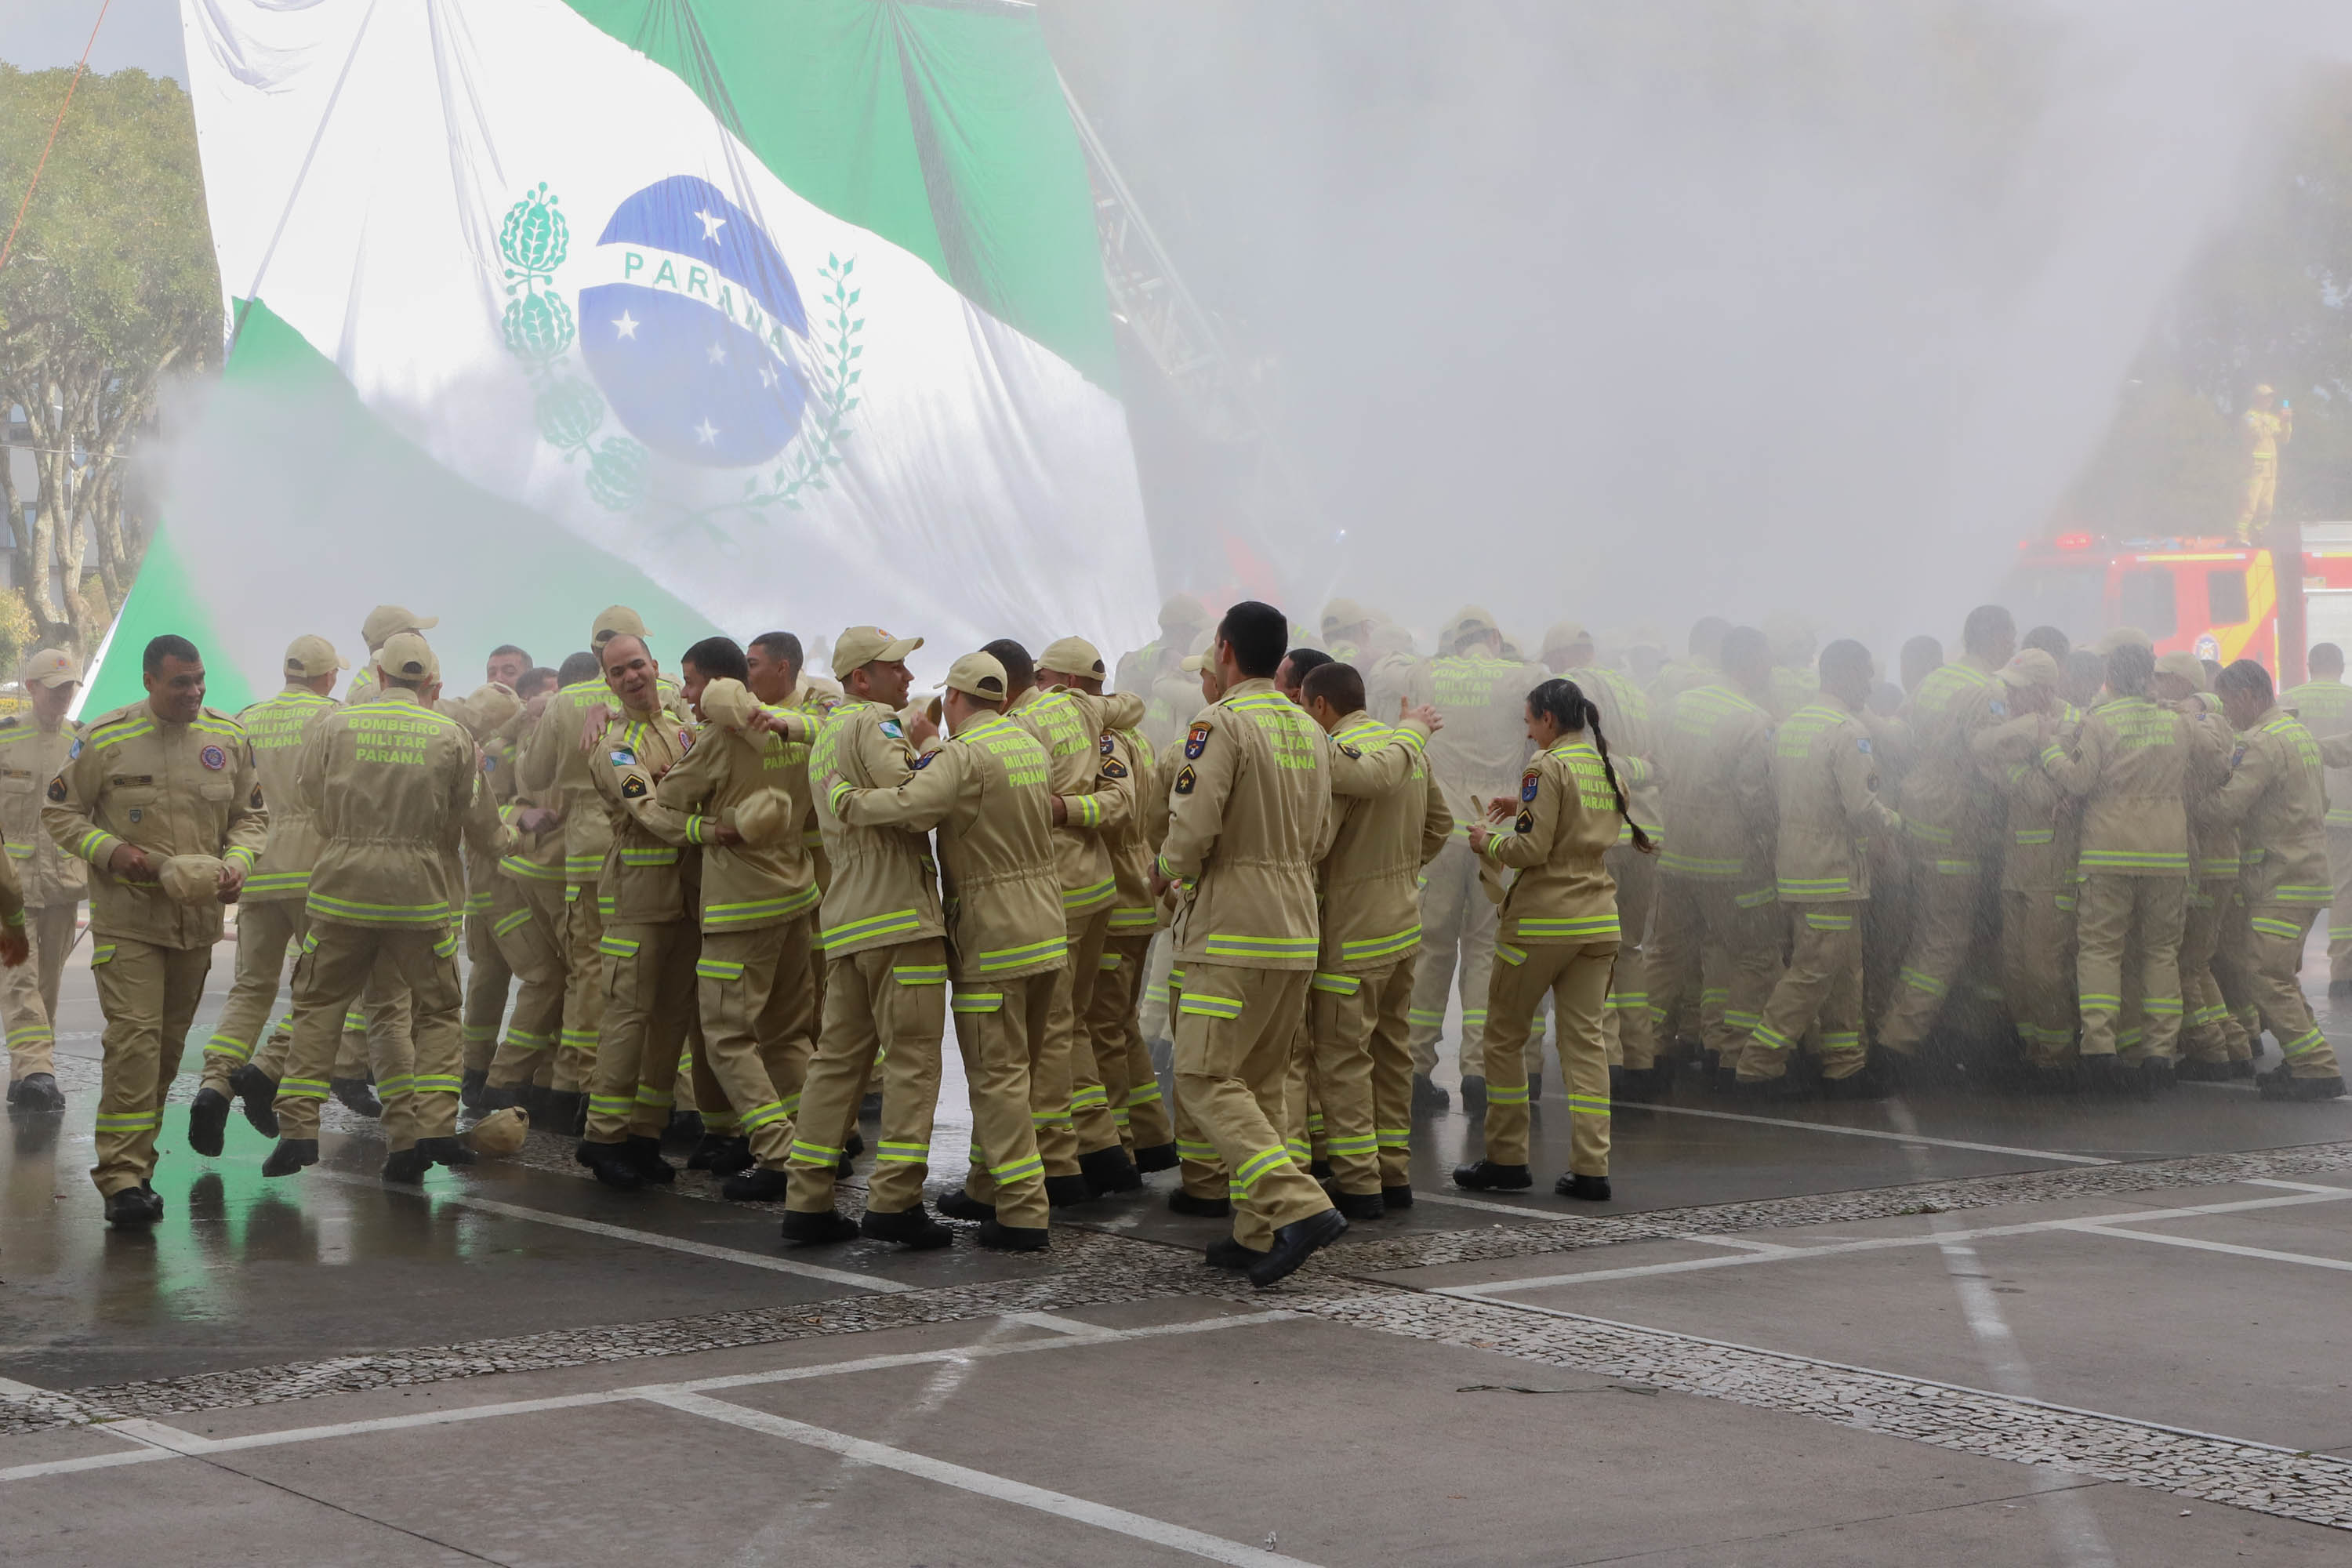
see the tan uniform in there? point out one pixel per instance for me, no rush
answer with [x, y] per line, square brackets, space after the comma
[1559, 937]
[1825, 777]
[391, 789]
[2326, 709]
[271, 917]
[2278, 800]
[1951, 812]
[170, 789]
[52, 883]
[1477, 756]
[1114, 1029]
[986, 791]
[647, 893]
[1625, 719]
[527, 920]
[2215, 918]
[886, 974]
[2265, 434]
[1716, 910]
[489, 977]
[1072, 1104]
[1358, 1064]
[2038, 889]
[2132, 763]
[756, 994]
[1246, 820]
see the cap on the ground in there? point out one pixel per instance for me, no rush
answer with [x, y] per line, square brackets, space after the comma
[408, 657]
[51, 668]
[1071, 656]
[384, 620]
[502, 1132]
[861, 646]
[978, 674]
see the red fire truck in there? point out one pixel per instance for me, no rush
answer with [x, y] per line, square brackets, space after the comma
[2214, 598]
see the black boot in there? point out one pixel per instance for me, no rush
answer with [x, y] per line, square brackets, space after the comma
[1427, 1097]
[1488, 1176]
[130, 1210]
[1230, 1254]
[2155, 1076]
[470, 1087]
[644, 1154]
[610, 1163]
[1012, 1237]
[1157, 1157]
[1594, 1189]
[354, 1096]
[1867, 1084]
[817, 1228]
[2194, 1071]
[1062, 1192]
[446, 1151]
[567, 1113]
[1321, 1171]
[1360, 1205]
[1535, 1089]
[909, 1227]
[1395, 1198]
[38, 1094]
[1109, 1170]
[257, 1096]
[405, 1167]
[854, 1145]
[2108, 1075]
[500, 1096]
[1182, 1202]
[759, 1184]
[1293, 1244]
[684, 1131]
[207, 1119]
[1621, 1084]
[1474, 1095]
[961, 1205]
[2280, 1084]
[290, 1155]
[720, 1155]
[870, 1106]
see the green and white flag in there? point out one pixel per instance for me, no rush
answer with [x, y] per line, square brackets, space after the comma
[787, 314]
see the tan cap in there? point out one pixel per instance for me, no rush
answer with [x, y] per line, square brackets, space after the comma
[1469, 621]
[1647, 636]
[764, 816]
[862, 646]
[729, 703]
[1566, 635]
[1193, 663]
[1386, 637]
[616, 620]
[2187, 666]
[1344, 613]
[2032, 667]
[2123, 637]
[485, 708]
[2264, 389]
[191, 878]
[1071, 656]
[502, 1132]
[385, 619]
[313, 656]
[408, 657]
[51, 668]
[1182, 610]
[978, 674]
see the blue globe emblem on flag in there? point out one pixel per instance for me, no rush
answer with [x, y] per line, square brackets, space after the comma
[695, 330]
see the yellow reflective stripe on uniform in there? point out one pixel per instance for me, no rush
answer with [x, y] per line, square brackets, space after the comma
[1227, 944]
[1337, 984]
[617, 946]
[1134, 918]
[990, 960]
[515, 865]
[719, 968]
[1108, 962]
[1211, 1006]
[921, 974]
[1562, 928]
[661, 854]
[355, 912]
[1585, 1104]
[508, 923]
[889, 924]
[1093, 893]
[977, 1001]
[751, 909]
[1819, 922]
[1371, 947]
[448, 946]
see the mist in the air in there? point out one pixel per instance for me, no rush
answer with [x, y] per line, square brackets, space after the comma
[1632, 313]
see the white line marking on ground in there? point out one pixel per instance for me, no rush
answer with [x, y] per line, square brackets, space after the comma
[2200, 1245]
[1514, 1210]
[1061, 1505]
[1740, 1244]
[1879, 1133]
[641, 1237]
[1055, 1323]
[190, 1444]
[1882, 1243]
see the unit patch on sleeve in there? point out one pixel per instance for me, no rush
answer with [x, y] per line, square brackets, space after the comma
[1108, 746]
[1196, 742]
[622, 757]
[633, 788]
[1527, 784]
[1186, 780]
[58, 787]
[1113, 769]
[1523, 823]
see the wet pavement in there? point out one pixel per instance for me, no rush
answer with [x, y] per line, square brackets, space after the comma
[2030, 1330]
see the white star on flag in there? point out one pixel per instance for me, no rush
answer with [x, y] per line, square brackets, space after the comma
[626, 325]
[717, 354]
[766, 375]
[705, 433]
[711, 226]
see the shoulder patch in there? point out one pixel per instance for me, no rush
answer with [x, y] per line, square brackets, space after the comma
[685, 741]
[1862, 745]
[1186, 780]
[75, 749]
[58, 787]
[1998, 709]
[255, 804]
[1108, 745]
[489, 762]
[633, 788]
[623, 757]
[925, 760]
[1350, 752]
[1524, 821]
[1527, 784]
[892, 728]
[1113, 769]
[1196, 742]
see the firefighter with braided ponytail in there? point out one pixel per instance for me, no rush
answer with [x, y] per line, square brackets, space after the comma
[1558, 934]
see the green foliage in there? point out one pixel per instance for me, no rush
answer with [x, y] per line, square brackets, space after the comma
[2265, 303]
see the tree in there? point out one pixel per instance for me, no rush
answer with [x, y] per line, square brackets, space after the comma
[112, 288]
